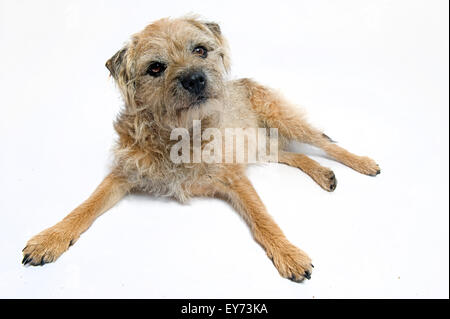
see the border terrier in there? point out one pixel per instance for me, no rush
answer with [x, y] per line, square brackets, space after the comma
[170, 74]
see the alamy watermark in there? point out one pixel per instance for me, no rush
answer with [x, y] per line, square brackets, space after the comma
[229, 145]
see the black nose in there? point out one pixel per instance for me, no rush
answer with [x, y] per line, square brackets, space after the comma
[194, 82]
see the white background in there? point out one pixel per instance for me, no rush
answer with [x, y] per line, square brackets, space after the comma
[372, 74]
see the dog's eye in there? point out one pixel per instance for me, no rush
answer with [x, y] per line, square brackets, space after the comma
[155, 69]
[200, 51]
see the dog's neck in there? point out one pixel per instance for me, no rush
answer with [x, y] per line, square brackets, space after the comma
[142, 128]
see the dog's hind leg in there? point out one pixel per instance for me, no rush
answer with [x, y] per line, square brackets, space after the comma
[321, 175]
[49, 244]
[274, 111]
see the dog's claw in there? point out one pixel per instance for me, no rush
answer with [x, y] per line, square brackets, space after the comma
[27, 259]
[307, 275]
[333, 185]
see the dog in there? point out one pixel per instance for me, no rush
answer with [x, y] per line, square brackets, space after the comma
[170, 75]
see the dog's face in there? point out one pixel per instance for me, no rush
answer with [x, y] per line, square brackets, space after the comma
[172, 67]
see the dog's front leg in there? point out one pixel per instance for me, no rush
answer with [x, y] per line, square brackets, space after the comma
[291, 262]
[49, 244]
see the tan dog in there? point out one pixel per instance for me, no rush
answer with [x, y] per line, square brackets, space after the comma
[171, 73]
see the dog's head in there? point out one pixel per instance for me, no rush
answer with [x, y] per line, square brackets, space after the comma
[174, 67]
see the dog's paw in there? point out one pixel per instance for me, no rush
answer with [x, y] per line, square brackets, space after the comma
[325, 178]
[47, 246]
[366, 165]
[293, 264]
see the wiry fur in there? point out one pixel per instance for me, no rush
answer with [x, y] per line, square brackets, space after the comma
[156, 105]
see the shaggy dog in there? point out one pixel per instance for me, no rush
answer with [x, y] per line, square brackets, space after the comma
[171, 75]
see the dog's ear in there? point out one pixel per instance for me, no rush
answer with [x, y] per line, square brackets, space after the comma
[115, 62]
[217, 32]
[215, 28]
[122, 70]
